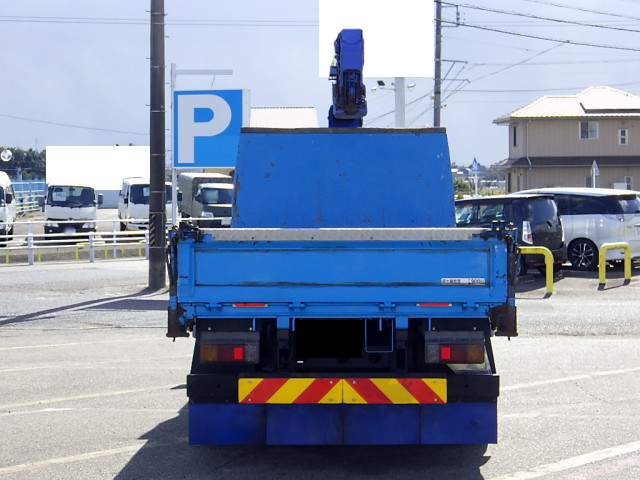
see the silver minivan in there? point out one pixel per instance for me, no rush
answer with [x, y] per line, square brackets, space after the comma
[592, 217]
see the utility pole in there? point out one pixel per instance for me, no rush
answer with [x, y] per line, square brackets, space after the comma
[437, 80]
[157, 194]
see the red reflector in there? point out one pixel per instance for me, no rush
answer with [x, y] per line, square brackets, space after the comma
[433, 304]
[250, 304]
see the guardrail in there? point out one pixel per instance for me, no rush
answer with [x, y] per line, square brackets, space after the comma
[32, 247]
[548, 263]
[27, 193]
[27, 203]
[109, 241]
[602, 263]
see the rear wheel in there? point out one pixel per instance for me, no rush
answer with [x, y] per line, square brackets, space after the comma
[583, 254]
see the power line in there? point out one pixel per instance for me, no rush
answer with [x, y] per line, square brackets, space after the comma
[547, 19]
[548, 39]
[582, 9]
[542, 90]
[15, 117]
[176, 22]
[516, 64]
[560, 62]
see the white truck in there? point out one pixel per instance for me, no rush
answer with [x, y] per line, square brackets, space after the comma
[70, 209]
[7, 209]
[133, 203]
[206, 198]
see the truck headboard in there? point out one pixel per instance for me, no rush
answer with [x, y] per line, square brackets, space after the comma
[343, 178]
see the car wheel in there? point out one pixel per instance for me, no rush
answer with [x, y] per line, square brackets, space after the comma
[521, 266]
[583, 254]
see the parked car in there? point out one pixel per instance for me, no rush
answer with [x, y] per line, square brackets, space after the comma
[594, 216]
[534, 216]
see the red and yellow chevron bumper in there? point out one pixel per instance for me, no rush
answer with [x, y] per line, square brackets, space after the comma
[342, 390]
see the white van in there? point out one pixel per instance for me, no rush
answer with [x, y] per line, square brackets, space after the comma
[133, 203]
[7, 209]
[594, 216]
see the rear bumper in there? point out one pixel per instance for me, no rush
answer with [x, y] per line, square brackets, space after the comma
[238, 424]
[467, 416]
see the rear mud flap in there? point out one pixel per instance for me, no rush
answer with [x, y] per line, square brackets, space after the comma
[503, 320]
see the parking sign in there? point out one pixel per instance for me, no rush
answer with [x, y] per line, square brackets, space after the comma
[206, 127]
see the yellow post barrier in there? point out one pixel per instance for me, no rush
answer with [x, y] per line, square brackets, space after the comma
[548, 262]
[602, 262]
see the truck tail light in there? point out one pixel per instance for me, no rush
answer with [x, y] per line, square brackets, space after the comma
[229, 347]
[527, 234]
[228, 353]
[455, 353]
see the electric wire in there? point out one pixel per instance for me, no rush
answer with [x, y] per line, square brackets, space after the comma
[538, 17]
[548, 39]
[583, 9]
[59, 124]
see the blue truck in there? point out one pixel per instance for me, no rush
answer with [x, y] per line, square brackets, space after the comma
[342, 306]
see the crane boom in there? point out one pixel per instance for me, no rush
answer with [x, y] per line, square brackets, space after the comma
[349, 93]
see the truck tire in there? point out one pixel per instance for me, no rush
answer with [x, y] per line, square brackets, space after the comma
[583, 254]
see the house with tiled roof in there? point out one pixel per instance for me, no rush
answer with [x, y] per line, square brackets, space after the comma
[574, 141]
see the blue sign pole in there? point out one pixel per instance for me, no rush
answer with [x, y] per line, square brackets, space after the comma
[475, 169]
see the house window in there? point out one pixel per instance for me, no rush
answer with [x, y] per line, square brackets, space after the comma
[623, 136]
[589, 130]
[515, 135]
[629, 182]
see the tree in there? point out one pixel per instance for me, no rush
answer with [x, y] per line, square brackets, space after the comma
[460, 187]
[31, 163]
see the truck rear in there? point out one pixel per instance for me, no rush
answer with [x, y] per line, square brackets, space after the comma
[342, 306]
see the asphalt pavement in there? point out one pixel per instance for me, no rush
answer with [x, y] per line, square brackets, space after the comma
[91, 388]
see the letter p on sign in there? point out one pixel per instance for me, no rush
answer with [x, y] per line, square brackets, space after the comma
[206, 127]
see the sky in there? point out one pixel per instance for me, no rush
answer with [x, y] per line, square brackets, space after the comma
[77, 72]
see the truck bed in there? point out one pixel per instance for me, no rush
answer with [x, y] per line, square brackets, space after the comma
[323, 271]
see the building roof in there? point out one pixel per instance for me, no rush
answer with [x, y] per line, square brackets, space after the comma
[553, 162]
[283, 117]
[590, 103]
[594, 192]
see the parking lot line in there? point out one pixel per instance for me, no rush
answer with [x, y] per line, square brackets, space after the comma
[85, 397]
[572, 462]
[128, 449]
[570, 378]
[72, 344]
